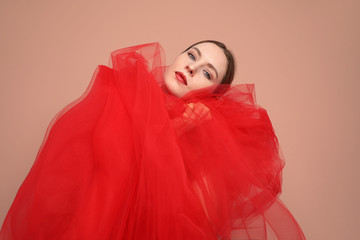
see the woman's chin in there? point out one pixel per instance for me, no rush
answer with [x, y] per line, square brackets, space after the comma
[174, 89]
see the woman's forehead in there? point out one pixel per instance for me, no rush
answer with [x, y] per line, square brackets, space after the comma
[213, 54]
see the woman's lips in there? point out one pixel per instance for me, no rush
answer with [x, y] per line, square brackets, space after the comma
[181, 77]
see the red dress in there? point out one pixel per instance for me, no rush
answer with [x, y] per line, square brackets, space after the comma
[124, 162]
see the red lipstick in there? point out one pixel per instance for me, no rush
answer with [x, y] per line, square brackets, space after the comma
[181, 77]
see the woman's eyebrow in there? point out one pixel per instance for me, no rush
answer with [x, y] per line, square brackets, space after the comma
[209, 64]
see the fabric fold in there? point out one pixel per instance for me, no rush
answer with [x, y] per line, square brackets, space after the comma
[128, 160]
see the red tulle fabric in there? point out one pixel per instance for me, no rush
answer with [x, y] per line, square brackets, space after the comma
[124, 162]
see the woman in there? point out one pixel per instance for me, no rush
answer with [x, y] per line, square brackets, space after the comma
[156, 152]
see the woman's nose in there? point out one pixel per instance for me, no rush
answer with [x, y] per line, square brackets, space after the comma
[190, 69]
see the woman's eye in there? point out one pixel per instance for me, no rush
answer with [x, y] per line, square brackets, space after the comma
[191, 56]
[207, 75]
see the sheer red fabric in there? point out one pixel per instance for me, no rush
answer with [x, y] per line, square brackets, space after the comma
[124, 161]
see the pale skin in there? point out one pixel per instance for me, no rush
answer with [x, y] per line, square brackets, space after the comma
[203, 66]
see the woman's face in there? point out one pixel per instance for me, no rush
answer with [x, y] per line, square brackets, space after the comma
[201, 66]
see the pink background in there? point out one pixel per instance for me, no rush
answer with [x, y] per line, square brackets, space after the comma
[303, 56]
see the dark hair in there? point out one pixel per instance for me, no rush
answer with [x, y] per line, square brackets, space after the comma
[230, 70]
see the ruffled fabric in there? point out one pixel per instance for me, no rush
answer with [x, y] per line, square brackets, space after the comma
[128, 160]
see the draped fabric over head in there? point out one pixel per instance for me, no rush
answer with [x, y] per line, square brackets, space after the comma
[124, 162]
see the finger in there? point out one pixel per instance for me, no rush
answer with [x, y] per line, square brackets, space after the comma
[196, 112]
[191, 105]
[201, 109]
[188, 115]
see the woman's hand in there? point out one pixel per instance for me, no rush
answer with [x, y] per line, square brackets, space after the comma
[195, 112]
